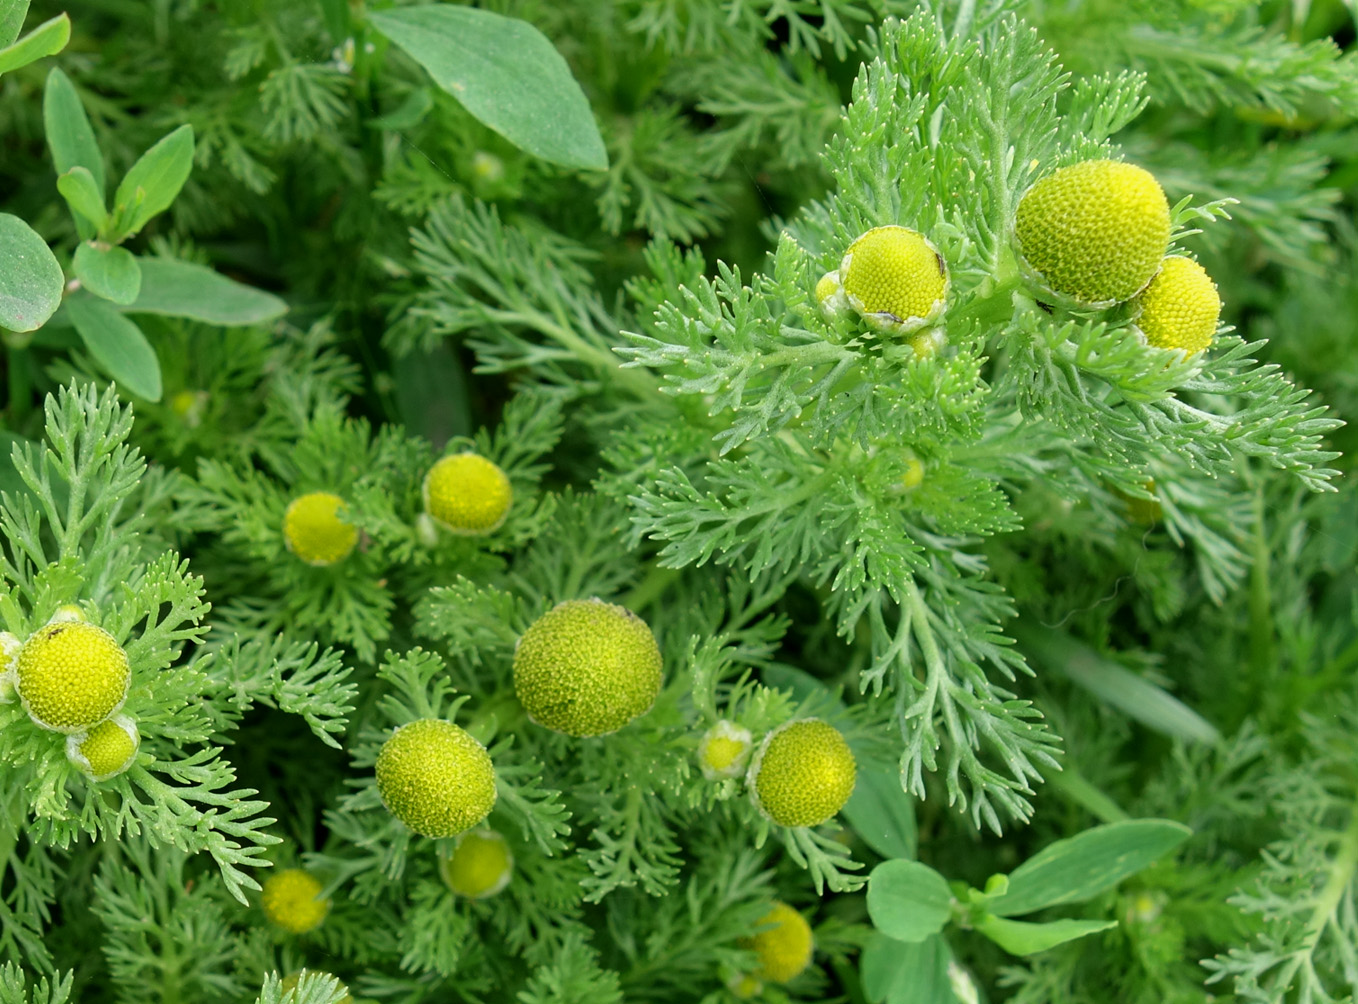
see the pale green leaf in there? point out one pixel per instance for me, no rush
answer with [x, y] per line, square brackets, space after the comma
[31, 280]
[153, 182]
[47, 39]
[83, 194]
[116, 344]
[110, 272]
[181, 289]
[907, 900]
[1019, 938]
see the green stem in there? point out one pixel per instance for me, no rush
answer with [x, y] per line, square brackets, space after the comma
[649, 589]
[1263, 653]
[20, 388]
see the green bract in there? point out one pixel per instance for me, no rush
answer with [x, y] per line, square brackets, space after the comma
[587, 668]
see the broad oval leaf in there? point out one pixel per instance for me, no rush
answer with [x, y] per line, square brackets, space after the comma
[153, 182]
[12, 14]
[182, 289]
[108, 272]
[69, 135]
[898, 973]
[47, 39]
[882, 813]
[82, 193]
[116, 344]
[907, 900]
[506, 73]
[31, 280]
[1080, 867]
[1018, 937]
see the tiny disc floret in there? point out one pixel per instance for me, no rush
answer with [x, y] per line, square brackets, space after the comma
[315, 530]
[434, 777]
[480, 866]
[724, 750]
[1180, 308]
[1094, 232]
[106, 750]
[290, 900]
[803, 773]
[784, 946]
[71, 675]
[894, 278]
[587, 668]
[467, 494]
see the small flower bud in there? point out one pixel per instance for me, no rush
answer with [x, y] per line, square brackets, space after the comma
[314, 529]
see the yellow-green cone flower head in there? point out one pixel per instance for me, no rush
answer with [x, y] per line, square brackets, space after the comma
[803, 773]
[895, 279]
[724, 750]
[9, 649]
[1181, 306]
[434, 777]
[314, 529]
[1094, 232]
[480, 866]
[913, 475]
[784, 946]
[467, 494]
[290, 900]
[587, 668]
[71, 675]
[106, 750]
[289, 983]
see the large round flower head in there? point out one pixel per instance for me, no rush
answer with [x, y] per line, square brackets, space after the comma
[289, 983]
[724, 750]
[467, 494]
[895, 279]
[434, 777]
[314, 529]
[290, 900]
[587, 668]
[9, 649]
[71, 675]
[1181, 306]
[480, 866]
[1094, 232]
[803, 773]
[106, 750]
[784, 946]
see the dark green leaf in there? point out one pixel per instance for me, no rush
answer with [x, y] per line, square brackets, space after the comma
[1019, 938]
[12, 14]
[181, 289]
[895, 972]
[882, 813]
[1115, 685]
[47, 39]
[116, 344]
[153, 182]
[408, 114]
[31, 281]
[431, 393]
[69, 135]
[907, 900]
[1073, 870]
[108, 272]
[82, 193]
[506, 73]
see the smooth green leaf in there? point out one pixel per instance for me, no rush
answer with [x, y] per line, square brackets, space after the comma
[82, 193]
[1073, 870]
[69, 135]
[408, 114]
[506, 73]
[432, 396]
[12, 14]
[338, 20]
[182, 289]
[1115, 685]
[47, 39]
[907, 900]
[895, 972]
[116, 344]
[153, 182]
[31, 280]
[108, 272]
[1020, 938]
[882, 813]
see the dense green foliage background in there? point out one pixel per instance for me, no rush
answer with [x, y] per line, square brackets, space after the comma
[445, 288]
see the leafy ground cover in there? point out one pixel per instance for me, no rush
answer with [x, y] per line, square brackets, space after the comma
[678, 500]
